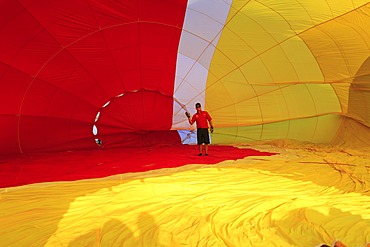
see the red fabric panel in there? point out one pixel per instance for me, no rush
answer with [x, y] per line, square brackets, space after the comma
[67, 21]
[9, 137]
[113, 13]
[68, 166]
[13, 85]
[17, 28]
[61, 61]
[49, 111]
[136, 113]
[67, 134]
[96, 64]
[117, 138]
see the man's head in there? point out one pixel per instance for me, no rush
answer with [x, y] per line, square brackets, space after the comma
[198, 107]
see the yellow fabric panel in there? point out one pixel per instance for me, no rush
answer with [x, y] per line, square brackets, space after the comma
[302, 15]
[327, 128]
[233, 51]
[255, 71]
[237, 134]
[342, 92]
[273, 103]
[301, 60]
[263, 201]
[321, 129]
[341, 46]
[359, 95]
[296, 59]
[254, 104]
[318, 92]
[354, 135]
[238, 102]
[279, 66]
[359, 105]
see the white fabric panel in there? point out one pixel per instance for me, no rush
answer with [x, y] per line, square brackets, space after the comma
[203, 25]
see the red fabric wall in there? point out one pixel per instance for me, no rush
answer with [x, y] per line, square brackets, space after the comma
[61, 61]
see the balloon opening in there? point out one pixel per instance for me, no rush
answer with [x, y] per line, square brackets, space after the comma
[136, 118]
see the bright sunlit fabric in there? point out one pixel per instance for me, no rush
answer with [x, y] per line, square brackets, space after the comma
[284, 67]
[300, 198]
[76, 72]
[92, 124]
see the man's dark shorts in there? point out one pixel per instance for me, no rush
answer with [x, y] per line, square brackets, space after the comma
[202, 136]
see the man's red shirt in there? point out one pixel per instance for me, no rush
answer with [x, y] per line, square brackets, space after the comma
[201, 119]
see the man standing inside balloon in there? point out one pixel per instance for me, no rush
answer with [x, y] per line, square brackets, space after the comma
[202, 118]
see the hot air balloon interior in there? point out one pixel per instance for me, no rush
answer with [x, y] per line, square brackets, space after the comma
[96, 148]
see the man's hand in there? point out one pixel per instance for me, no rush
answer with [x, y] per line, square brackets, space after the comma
[187, 114]
[211, 129]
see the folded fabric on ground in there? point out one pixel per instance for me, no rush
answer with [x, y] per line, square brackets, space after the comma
[305, 195]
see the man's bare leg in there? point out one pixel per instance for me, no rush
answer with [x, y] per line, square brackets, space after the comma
[200, 149]
[206, 148]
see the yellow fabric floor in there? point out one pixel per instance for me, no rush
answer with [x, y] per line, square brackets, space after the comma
[305, 196]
